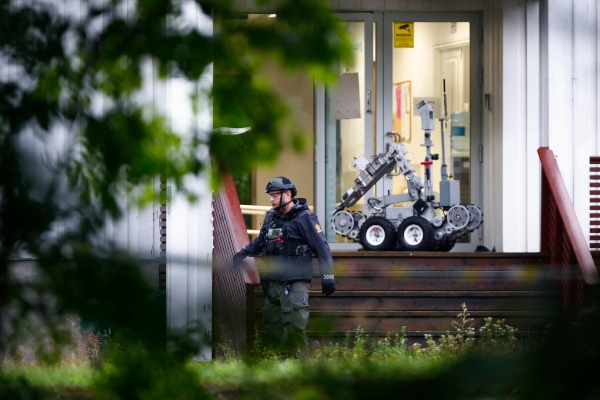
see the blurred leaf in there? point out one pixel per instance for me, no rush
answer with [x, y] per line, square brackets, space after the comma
[80, 141]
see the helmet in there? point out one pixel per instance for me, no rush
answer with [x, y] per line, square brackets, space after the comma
[281, 183]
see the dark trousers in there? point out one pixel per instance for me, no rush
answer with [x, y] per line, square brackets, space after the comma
[286, 322]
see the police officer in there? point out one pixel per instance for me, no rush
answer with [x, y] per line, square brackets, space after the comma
[289, 235]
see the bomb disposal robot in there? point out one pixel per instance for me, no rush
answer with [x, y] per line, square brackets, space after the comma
[427, 225]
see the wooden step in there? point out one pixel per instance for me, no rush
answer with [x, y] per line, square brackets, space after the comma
[422, 321]
[431, 300]
[428, 261]
[382, 292]
[384, 282]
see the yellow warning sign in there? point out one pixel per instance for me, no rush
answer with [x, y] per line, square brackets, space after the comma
[404, 34]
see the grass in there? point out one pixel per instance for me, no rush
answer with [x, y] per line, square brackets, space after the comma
[464, 363]
[269, 378]
[49, 376]
[290, 378]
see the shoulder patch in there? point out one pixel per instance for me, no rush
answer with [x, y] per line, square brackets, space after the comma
[318, 228]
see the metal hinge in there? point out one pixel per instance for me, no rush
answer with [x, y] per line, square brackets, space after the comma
[480, 151]
[480, 34]
[480, 76]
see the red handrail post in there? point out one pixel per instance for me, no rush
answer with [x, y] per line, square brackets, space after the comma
[546, 227]
[562, 235]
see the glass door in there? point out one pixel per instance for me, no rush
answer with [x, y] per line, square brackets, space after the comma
[349, 111]
[426, 56]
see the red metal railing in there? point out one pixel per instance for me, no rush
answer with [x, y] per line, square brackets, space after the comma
[231, 287]
[595, 203]
[562, 235]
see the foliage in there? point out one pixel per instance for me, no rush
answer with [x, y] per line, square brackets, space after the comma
[81, 140]
[75, 82]
[491, 338]
[386, 368]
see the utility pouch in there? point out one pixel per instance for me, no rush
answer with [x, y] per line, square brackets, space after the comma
[303, 253]
[264, 284]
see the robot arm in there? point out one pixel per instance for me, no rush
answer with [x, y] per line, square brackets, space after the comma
[413, 181]
[371, 172]
[369, 175]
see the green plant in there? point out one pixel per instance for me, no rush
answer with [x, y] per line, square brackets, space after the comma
[391, 348]
[461, 341]
[359, 350]
[261, 351]
[226, 350]
[497, 337]
[355, 347]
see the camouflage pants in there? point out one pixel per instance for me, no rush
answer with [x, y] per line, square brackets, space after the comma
[286, 313]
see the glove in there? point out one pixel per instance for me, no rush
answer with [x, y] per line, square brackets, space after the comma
[328, 288]
[238, 258]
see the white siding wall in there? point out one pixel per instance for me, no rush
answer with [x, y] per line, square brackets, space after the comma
[584, 126]
[550, 100]
[492, 122]
[532, 126]
[189, 234]
[189, 225]
[516, 129]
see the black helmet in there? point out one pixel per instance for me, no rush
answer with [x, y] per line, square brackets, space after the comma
[281, 183]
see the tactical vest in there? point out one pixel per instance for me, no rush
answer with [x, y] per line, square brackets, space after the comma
[278, 245]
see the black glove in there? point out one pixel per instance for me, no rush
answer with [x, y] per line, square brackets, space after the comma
[238, 258]
[328, 288]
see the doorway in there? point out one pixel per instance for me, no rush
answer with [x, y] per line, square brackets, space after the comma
[396, 72]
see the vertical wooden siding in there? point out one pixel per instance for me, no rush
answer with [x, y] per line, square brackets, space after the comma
[230, 285]
[162, 226]
[595, 203]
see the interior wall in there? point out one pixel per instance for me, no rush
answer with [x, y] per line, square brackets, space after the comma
[352, 131]
[418, 65]
[297, 91]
